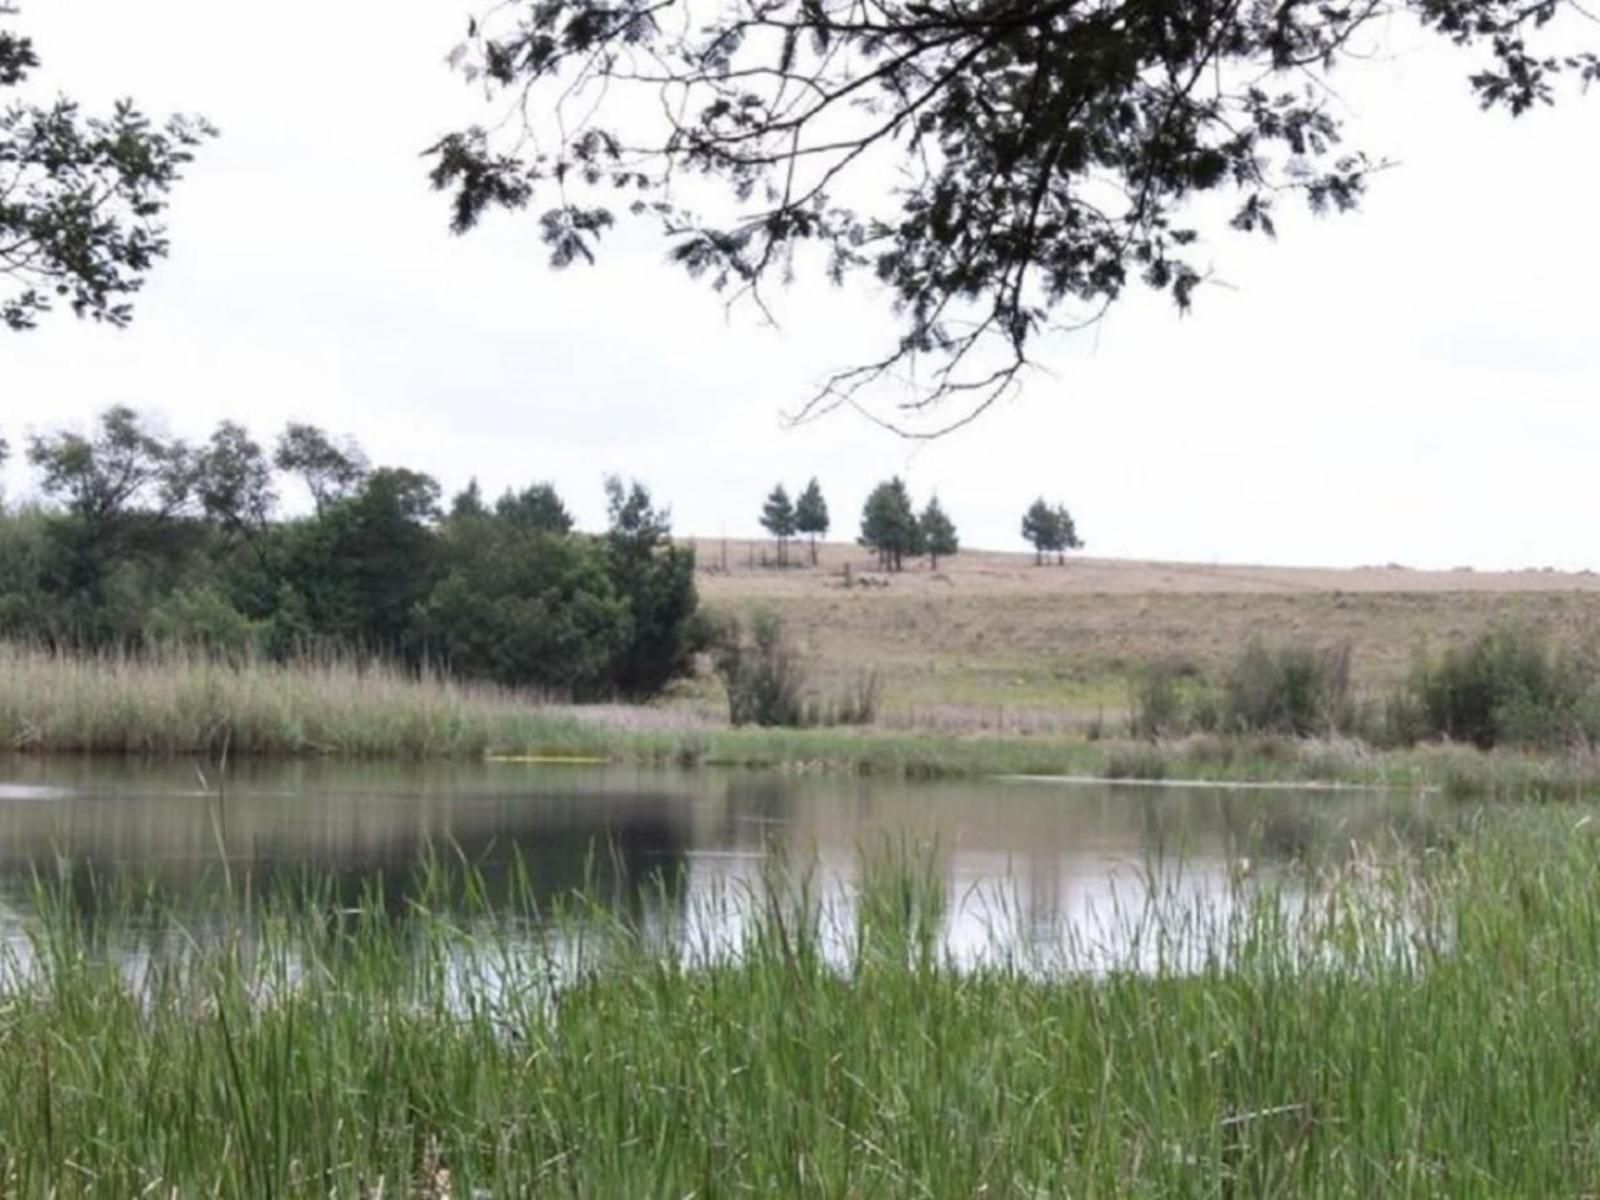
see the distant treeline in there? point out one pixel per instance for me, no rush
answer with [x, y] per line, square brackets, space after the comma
[144, 540]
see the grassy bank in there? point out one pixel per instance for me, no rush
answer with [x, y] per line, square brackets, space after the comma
[192, 707]
[1421, 1029]
[182, 704]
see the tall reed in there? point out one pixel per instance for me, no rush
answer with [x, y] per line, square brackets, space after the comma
[1418, 1028]
[188, 702]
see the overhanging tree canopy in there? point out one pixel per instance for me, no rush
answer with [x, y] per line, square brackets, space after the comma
[990, 161]
[81, 198]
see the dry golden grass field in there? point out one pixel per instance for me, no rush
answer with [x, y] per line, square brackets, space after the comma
[991, 641]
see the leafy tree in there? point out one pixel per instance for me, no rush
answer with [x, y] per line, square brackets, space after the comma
[27, 552]
[938, 533]
[536, 509]
[1067, 535]
[201, 618]
[140, 548]
[81, 198]
[123, 466]
[1041, 526]
[468, 502]
[1048, 152]
[657, 580]
[116, 544]
[778, 519]
[811, 515]
[889, 525]
[363, 565]
[1050, 530]
[233, 480]
[525, 608]
[331, 470]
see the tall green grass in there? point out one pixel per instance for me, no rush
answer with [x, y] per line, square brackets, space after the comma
[1421, 1028]
[182, 703]
[177, 703]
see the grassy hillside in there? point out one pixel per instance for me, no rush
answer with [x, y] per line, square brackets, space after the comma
[991, 641]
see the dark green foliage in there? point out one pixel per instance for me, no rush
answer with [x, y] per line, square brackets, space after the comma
[201, 618]
[889, 525]
[154, 545]
[123, 466]
[761, 672]
[121, 540]
[27, 568]
[233, 481]
[330, 470]
[938, 533]
[535, 509]
[372, 560]
[1050, 530]
[657, 577]
[1157, 705]
[811, 515]
[468, 502]
[1045, 154]
[525, 607]
[81, 198]
[1296, 690]
[1507, 685]
[778, 519]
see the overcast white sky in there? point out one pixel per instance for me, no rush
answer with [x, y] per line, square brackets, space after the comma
[1418, 382]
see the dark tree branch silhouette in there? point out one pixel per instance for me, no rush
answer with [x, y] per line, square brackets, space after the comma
[81, 198]
[989, 162]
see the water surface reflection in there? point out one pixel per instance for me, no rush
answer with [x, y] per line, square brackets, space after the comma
[1026, 867]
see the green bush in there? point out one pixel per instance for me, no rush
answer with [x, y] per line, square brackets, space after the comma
[1297, 690]
[201, 618]
[761, 672]
[1506, 686]
[1156, 706]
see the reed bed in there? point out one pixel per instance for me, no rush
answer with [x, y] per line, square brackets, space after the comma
[180, 703]
[1421, 1027]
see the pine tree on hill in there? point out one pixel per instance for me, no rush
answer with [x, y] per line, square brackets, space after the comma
[778, 519]
[938, 533]
[889, 525]
[811, 515]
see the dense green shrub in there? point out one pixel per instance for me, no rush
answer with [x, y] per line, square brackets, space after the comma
[202, 618]
[1298, 690]
[1506, 686]
[761, 672]
[1157, 705]
[145, 542]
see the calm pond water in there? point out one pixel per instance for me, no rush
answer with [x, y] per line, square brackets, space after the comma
[1027, 865]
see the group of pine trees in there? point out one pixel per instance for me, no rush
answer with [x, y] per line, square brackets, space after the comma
[785, 520]
[892, 529]
[889, 525]
[1051, 530]
[895, 531]
[140, 539]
